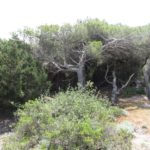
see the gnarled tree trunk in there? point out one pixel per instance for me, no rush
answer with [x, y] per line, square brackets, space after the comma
[114, 95]
[81, 76]
[147, 86]
[115, 90]
[146, 72]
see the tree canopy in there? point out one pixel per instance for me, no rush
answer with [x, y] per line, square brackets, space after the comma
[80, 52]
[21, 77]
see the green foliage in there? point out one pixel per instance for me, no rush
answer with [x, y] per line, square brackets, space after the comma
[95, 48]
[98, 27]
[62, 47]
[132, 91]
[74, 119]
[21, 77]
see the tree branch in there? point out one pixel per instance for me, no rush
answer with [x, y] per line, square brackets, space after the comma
[56, 65]
[74, 61]
[128, 81]
[82, 58]
[65, 67]
[107, 70]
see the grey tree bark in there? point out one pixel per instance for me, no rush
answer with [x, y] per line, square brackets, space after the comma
[114, 95]
[77, 66]
[81, 76]
[147, 85]
[146, 72]
[115, 90]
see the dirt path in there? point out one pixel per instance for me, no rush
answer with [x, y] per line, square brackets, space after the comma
[138, 109]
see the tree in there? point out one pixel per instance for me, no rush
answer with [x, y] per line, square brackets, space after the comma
[117, 54]
[71, 48]
[66, 49]
[21, 77]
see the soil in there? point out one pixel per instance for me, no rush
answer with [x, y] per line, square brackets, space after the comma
[138, 108]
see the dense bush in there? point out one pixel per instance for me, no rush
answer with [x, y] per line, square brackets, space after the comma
[72, 120]
[21, 77]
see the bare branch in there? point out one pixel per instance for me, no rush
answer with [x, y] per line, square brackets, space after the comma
[145, 60]
[106, 73]
[83, 56]
[66, 67]
[56, 65]
[128, 81]
[73, 69]
[74, 61]
[76, 51]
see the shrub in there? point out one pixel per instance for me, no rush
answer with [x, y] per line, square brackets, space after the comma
[73, 120]
[21, 77]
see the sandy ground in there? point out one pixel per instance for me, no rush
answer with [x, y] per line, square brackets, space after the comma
[138, 108]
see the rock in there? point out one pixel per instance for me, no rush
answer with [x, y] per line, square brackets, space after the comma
[144, 127]
[126, 125]
[125, 112]
[145, 97]
[146, 106]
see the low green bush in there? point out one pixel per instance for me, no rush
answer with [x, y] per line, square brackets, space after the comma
[132, 91]
[72, 120]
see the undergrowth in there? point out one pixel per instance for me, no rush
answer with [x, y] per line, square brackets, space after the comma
[72, 120]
